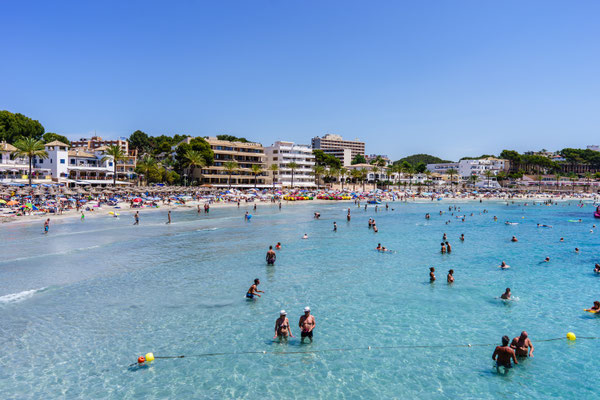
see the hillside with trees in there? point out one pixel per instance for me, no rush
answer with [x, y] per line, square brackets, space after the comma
[421, 158]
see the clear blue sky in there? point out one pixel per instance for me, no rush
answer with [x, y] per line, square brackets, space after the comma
[449, 78]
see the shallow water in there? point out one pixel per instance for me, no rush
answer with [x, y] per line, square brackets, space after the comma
[79, 305]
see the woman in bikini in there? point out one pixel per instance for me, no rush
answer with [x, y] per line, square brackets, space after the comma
[282, 327]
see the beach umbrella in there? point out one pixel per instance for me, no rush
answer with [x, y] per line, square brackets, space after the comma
[12, 203]
[2, 201]
[137, 200]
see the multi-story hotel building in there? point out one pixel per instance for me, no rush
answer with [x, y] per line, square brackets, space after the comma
[335, 145]
[282, 153]
[244, 154]
[125, 167]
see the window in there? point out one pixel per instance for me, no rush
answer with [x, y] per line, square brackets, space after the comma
[73, 161]
[110, 164]
[62, 160]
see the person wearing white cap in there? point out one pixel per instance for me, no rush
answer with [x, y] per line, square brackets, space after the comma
[307, 324]
[282, 327]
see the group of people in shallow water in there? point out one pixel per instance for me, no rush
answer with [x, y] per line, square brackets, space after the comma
[506, 354]
[283, 331]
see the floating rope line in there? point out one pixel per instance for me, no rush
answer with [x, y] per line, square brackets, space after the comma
[407, 346]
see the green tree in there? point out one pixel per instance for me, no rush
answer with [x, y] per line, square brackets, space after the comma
[588, 178]
[230, 168]
[146, 166]
[375, 169]
[418, 158]
[359, 159]
[273, 168]
[488, 174]
[574, 178]
[326, 160]
[231, 138]
[557, 175]
[51, 137]
[194, 159]
[30, 147]
[473, 179]
[256, 170]
[293, 166]
[15, 126]
[420, 168]
[140, 141]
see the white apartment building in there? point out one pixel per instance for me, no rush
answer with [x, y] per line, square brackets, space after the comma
[344, 150]
[282, 153]
[467, 168]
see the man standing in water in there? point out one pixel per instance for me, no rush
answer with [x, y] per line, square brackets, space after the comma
[169, 217]
[307, 324]
[522, 345]
[253, 291]
[334, 227]
[47, 226]
[504, 354]
[271, 256]
[137, 218]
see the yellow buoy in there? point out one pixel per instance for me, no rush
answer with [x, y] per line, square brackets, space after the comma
[570, 336]
[149, 357]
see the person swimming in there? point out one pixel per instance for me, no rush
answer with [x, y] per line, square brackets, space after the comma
[595, 308]
[305, 236]
[278, 246]
[597, 268]
[547, 259]
[506, 295]
[504, 266]
[514, 239]
[462, 237]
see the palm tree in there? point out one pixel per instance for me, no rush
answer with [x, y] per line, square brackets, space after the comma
[256, 170]
[488, 174]
[317, 171]
[573, 178]
[410, 172]
[539, 179]
[230, 167]
[146, 165]
[473, 179]
[363, 176]
[355, 174]
[557, 176]
[428, 180]
[30, 148]
[194, 159]
[375, 170]
[588, 177]
[293, 166]
[334, 172]
[451, 172]
[273, 168]
[343, 173]
[116, 154]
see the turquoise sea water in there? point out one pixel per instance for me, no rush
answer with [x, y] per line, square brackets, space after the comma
[79, 305]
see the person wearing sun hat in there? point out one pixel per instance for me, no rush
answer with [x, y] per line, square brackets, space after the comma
[282, 327]
[307, 324]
